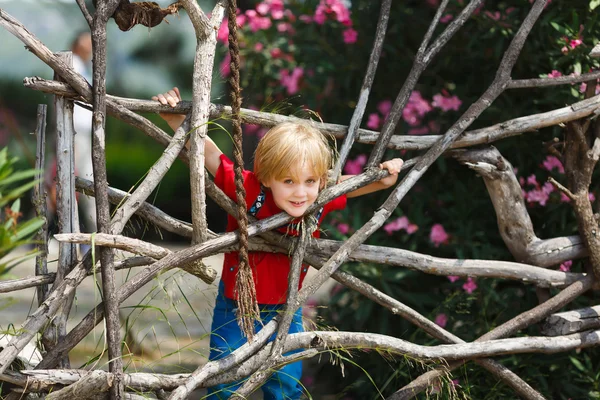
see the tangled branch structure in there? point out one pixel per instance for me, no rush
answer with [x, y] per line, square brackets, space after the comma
[257, 359]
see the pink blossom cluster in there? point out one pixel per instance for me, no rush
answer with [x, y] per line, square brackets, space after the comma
[415, 110]
[572, 42]
[537, 193]
[355, 166]
[376, 120]
[336, 10]
[469, 286]
[534, 192]
[445, 102]
[260, 18]
[566, 266]
[438, 235]
[401, 223]
[291, 81]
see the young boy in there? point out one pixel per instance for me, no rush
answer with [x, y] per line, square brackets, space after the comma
[290, 168]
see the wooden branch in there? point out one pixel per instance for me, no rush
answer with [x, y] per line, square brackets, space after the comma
[568, 322]
[486, 135]
[581, 157]
[514, 222]
[115, 242]
[105, 9]
[365, 90]
[92, 385]
[206, 41]
[66, 208]
[85, 12]
[12, 285]
[38, 199]
[560, 80]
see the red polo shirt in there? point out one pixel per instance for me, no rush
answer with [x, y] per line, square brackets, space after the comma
[270, 270]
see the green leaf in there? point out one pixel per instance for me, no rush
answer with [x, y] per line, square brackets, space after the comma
[29, 228]
[577, 364]
[560, 28]
[594, 4]
[18, 176]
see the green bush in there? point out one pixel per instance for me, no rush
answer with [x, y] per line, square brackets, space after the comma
[13, 233]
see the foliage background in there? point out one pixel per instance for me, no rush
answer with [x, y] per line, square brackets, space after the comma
[308, 65]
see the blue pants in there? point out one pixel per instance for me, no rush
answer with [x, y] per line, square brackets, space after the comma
[226, 337]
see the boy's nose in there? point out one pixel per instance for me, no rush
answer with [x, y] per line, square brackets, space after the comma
[300, 190]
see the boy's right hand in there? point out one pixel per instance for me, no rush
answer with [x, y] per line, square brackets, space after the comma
[172, 97]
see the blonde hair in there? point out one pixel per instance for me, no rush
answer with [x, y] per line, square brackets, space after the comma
[287, 145]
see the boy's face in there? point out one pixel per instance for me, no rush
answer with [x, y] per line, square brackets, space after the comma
[295, 195]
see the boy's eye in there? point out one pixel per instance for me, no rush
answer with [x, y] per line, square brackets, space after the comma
[288, 181]
[310, 181]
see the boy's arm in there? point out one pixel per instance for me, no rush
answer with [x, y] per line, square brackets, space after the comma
[393, 166]
[212, 153]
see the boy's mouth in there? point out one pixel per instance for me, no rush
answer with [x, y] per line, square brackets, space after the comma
[298, 203]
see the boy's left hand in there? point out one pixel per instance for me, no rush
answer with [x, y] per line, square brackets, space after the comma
[393, 166]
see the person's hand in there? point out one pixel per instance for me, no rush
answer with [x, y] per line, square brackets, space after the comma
[172, 97]
[393, 166]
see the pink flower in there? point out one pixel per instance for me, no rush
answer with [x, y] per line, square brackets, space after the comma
[438, 235]
[470, 285]
[441, 320]
[355, 167]
[453, 278]
[276, 52]
[277, 14]
[350, 36]
[319, 17]
[532, 180]
[591, 197]
[415, 109]
[411, 228]
[396, 225]
[446, 18]
[564, 198]
[343, 228]
[433, 3]
[334, 8]
[291, 81]
[223, 32]
[399, 224]
[574, 43]
[552, 162]
[566, 266]
[384, 107]
[554, 74]
[374, 121]
[258, 47]
[537, 196]
[446, 103]
[262, 8]
[256, 21]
